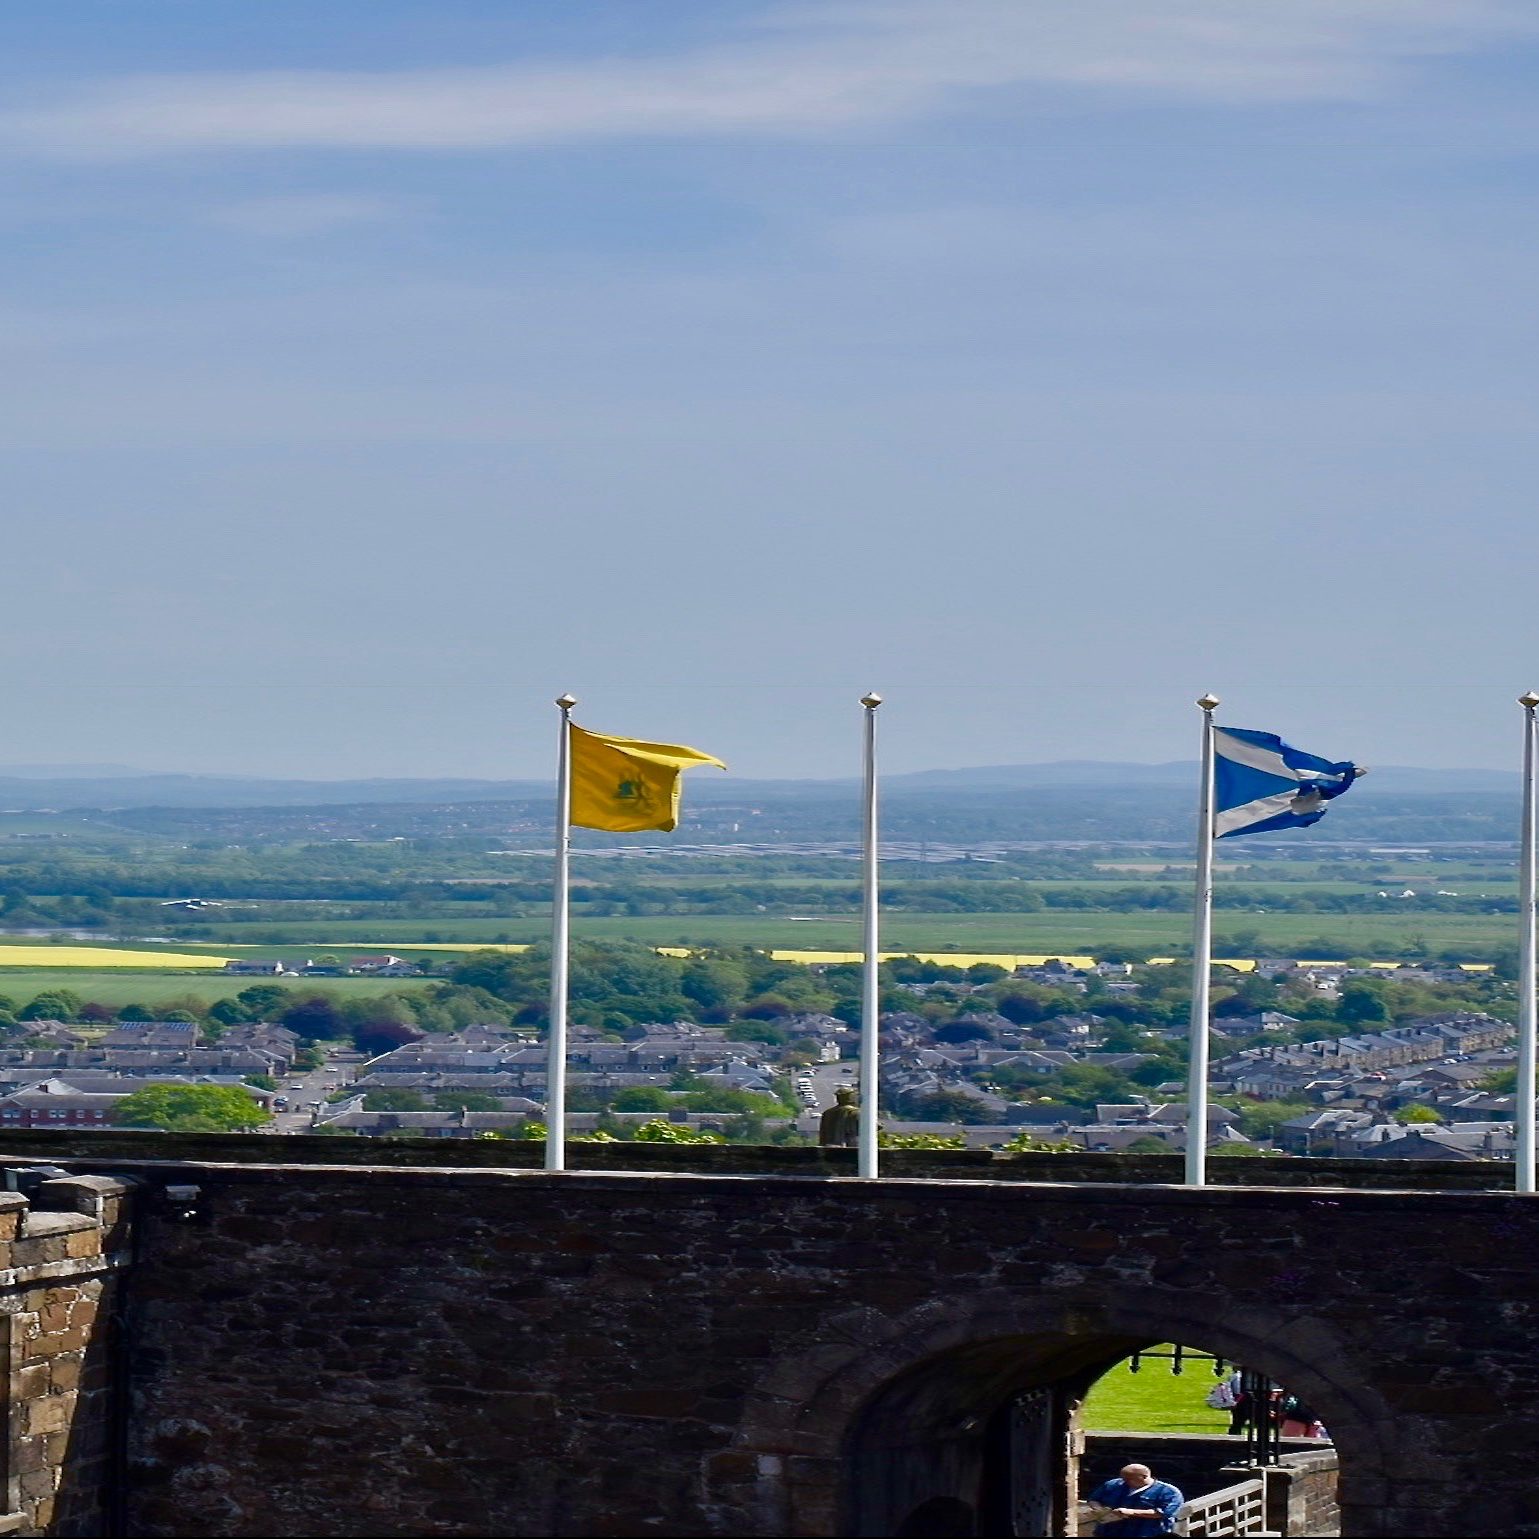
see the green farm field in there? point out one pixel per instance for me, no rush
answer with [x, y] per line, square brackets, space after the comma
[1061, 933]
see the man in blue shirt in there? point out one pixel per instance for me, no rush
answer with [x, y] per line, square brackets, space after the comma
[1138, 1506]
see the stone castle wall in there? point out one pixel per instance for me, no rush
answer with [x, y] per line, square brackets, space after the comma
[392, 1351]
[365, 1350]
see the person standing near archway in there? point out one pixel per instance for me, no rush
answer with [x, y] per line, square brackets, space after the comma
[1138, 1506]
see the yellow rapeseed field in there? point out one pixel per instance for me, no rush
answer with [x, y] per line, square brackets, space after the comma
[99, 957]
[944, 958]
[103, 956]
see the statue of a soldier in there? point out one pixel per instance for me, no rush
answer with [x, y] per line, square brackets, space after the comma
[839, 1126]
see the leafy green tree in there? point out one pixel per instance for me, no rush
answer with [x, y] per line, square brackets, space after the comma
[1029, 1143]
[52, 1005]
[756, 1031]
[768, 1007]
[190, 1109]
[716, 987]
[373, 1036]
[1416, 1114]
[946, 1106]
[314, 1017]
[963, 1031]
[986, 972]
[723, 1099]
[1123, 1037]
[1361, 1005]
[661, 1132]
[176, 1007]
[643, 1098]
[261, 1081]
[136, 1012]
[262, 1001]
[1083, 1084]
[1261, 1119]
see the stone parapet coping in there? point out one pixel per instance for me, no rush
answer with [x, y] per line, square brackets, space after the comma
[163, 1172]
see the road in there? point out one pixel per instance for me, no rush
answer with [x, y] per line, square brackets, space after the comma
[826, 1078]
[303, 1088]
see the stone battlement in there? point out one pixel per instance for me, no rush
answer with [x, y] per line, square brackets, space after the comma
[64, 1241]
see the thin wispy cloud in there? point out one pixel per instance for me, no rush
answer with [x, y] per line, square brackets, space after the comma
[797, 70]
[298, 215]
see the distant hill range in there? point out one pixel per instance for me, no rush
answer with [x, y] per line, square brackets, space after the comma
[1081, 774]
[69, 787]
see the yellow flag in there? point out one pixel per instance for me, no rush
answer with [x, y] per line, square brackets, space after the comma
[623, 785]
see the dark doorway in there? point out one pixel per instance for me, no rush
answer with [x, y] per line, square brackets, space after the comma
[979, 1437]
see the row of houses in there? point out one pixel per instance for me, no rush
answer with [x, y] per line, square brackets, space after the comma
[81, 1099]
[1278, 1073]
[74, 1082]
[500, 1062]
[495, 1060]
[352, 1116]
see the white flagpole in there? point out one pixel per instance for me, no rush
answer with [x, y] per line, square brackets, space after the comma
[560, 950]
[1527, 981]
[1202, 964]
[867, 1165]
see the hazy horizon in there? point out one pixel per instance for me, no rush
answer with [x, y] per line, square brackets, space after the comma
[1088, 772]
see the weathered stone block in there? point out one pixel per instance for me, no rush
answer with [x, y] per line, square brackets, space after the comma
[35, 1486]
[50, 1414]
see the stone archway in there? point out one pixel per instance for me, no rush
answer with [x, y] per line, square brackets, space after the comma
[884, 1414]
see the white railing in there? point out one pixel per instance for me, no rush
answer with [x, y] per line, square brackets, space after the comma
[1239, 1509]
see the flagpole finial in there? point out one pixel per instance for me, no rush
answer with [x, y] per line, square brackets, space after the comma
[871, 701]
[1208, 703]
[566, 702]
[1528, 700]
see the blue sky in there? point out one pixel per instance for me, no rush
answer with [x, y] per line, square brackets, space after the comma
[378, 370]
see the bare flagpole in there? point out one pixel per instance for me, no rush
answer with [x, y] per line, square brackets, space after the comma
[867, 1165]
[1523, 1110]
[560, 950]
[1202, 964]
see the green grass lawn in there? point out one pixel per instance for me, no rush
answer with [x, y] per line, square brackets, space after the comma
[1153, 1400]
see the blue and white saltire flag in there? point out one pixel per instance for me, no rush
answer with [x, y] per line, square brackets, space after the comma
[1260, 783]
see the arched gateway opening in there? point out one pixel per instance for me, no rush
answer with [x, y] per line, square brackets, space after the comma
[962, 1420]
[990, 1439]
